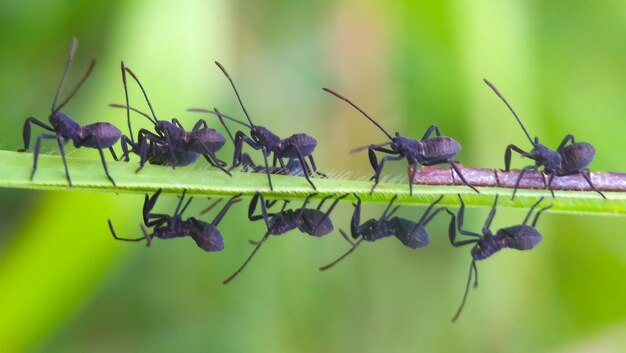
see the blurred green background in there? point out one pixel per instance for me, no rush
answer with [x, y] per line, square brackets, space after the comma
[66, 286]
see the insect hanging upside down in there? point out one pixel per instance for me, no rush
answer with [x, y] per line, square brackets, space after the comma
[206, 235]
[521, 237]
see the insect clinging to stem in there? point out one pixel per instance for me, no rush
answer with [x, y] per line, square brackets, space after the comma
[312, 221]
[412, 234]
[172, 136]
[520, 237]
[295, 147]
[97, 135]
[206, 235]
[427, 151]
[566, 160]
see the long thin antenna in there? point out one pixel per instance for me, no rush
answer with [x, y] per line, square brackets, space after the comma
[467, 287]
[258, 246]
[200, 110]
[211, 206]
[67, 69]
[361, 148]
[236, 92]
[357, 108]
[510, 108]
[80, 83]
[115, 105]
[224, 124]
[142, 90]
[354, 246]
[130, 129]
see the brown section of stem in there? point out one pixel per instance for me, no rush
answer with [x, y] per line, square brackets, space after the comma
[484, 177]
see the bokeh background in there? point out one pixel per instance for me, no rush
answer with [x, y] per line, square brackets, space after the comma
[66, 286]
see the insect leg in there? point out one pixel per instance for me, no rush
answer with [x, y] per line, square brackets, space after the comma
[36, 151]
[585, 174]
[519, 178]
[507, 156]
[458, 172]
[430, 130]
[104, 162]
[26, 131]
[568, 138]
[233, 200]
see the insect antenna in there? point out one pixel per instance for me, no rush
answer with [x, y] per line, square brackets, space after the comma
[361, 148]
[224, 124]
[199, 110]
[354, 246]
[236, 92]
[211, 206]
[357, 108]
[510, 108]
[467, 287]
[80, 83]
[143, 91]
[130, 129]
[258, 246]
[65, 72]
[115, 105]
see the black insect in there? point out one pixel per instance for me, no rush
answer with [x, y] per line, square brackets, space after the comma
[311, 221]
[64, 128]
[180, 144]
[566, 160]
[520, 237]
[292, 167]
[206, 235]
[155, 152]
[296, 146]
[411, 234]
[427, 151]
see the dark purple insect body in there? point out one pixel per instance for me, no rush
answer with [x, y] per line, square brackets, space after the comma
[427, 152]
[170, 144]
[65, 129]
[297, 147]
[292, 167]
[206, 235]
[566, 160]
[314, 222]
[412, 234]
[520, 237]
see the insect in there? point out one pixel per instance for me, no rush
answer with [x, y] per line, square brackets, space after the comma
[296, 146]
[520, 237]
[311, 221]
[206, 235]
[427, 151]
[566, 160]
[292, 167]
[201, 140]
[155, 152]
[411, 234]
[64, 128]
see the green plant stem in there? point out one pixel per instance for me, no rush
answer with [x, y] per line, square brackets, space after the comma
[88, 175]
